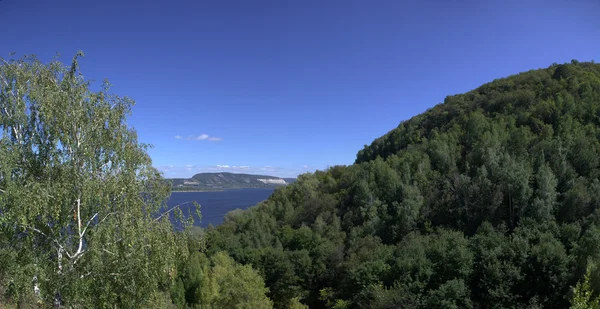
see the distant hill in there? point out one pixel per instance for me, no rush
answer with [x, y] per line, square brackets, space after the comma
[488, 200]
[221, 181]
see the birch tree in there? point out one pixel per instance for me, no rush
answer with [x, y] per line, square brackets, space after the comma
[79, 198]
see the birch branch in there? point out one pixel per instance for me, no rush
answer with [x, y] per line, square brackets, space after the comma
[7, 112]
[16, 130]
[116, 241]
[88, 224]
[79, 226]
[48, 237]
[8, 86]
[108, 251]
[80, 250]
[110, 213]
[85, 275]
[168, 211]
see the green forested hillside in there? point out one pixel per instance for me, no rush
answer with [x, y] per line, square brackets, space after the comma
[489, 200]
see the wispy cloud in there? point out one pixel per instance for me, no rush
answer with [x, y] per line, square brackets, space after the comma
[233, 167]
[269, 168]
[305, 166]
[186, 171]
[201, 137]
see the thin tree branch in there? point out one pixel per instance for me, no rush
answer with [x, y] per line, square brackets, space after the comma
[168, 211]
[16, 130]
[79, 226]
[6, 112]
[80, 250]
[108, 251]
[85, 275]
[48, 237]
[110, 213]
[116, 241]
[88, 224]
[8, 86]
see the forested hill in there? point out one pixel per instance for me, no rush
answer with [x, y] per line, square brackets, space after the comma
[532, 99]
[489, 200]
[221, 181]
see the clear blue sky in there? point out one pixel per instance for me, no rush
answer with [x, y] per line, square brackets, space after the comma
[282, 87]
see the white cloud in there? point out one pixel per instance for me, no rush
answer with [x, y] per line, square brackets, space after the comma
[268, 168]
[188, 170]
[201, 137]
[305, 166]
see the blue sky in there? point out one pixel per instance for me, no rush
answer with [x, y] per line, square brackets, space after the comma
[284, 87]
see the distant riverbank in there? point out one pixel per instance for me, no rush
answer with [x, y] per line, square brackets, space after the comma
[219, 189]
[201, 190]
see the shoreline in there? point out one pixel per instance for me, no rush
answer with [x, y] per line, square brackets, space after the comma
[220, 190]
[217, 190]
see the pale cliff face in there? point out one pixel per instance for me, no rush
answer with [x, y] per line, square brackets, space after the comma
[273, 181]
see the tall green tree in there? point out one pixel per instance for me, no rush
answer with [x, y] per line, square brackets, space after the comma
[227, 284]
[79, 198]
[583, 294]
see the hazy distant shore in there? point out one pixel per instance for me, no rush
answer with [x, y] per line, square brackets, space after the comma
[201, 190]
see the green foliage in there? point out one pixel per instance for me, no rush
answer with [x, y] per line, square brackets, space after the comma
[178, 294]
[484, 201]
[230, 285]
[583, 295]
[296, 304]
[79, 198]
[219, 282]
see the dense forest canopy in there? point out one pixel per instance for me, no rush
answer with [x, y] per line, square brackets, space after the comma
[489, 200]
